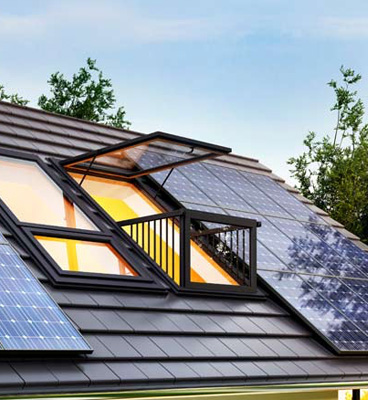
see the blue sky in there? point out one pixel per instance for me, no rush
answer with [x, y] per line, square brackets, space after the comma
[246, 74]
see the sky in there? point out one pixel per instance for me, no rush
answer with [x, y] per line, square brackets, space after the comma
[250, 75]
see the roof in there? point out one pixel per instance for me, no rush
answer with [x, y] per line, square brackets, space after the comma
[150, 340]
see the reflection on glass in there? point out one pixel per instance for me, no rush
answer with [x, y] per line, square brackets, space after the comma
[33, 197]
[123, 201]
[84, 256]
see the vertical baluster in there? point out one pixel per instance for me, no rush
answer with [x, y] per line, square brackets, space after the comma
[231, 250]
[154, 240]
[243, 256]
[143, 233]
[161, 244]
[167, 244]
[237, 253]
[173, 248]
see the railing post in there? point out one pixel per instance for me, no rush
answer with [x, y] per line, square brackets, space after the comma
[253, 257]
[184, 249]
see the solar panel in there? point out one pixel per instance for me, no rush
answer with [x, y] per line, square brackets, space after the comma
[283, 198]
[29, 318]
[247, 191]
[214, 188]
[321, 314]
[321, 274]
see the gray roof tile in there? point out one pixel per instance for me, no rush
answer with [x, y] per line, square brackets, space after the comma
[171, 346]
[34, 373]
[67, 373]
[146, 347]
[84, 319]
[98, 373]
[251, 370]
[9, 377]
[180, 370]
[127, 372]
[118, 346]
[154, 371]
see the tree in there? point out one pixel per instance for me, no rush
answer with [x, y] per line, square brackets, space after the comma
[333, 171]
[12, 98]
[89, 95]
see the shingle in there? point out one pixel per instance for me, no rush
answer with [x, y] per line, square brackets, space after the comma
[118, 346]
[271, 369]
[171, 346]
[194, 346]
[112, 321]
[105, 299]
[85, 320]
[180, 370]
[127, 372]
[305, 347]
[79, 298]
[227, 323]
[238, 347]
[330, 367]
[163, 323]
[34, 373]
[204, 370]
[291, 369]
[250, 369]
[9, 377]
[208, 325]
[98, 373]
[184, 323]
[247, 325]
[311, 368]
[154, 371]
[268, 325]
[67, 373]
[228, 370]
[258, 347]
[137, 320]
[216, 347]
[145, 346]
[99, 349]
[278, 347]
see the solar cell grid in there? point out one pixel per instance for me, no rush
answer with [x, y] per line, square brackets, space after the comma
[317, 249]
[283, 198]
[320, 313]
[247, 191]
[29, 318]
[214, 188]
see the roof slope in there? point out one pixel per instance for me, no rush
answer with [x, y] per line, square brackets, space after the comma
[158, 340]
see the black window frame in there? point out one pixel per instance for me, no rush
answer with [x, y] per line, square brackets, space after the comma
[150, 187]
[105, 233]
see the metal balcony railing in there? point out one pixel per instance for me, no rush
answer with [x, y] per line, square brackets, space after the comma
[200, 250]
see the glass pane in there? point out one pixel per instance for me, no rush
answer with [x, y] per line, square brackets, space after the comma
[33, 197]
[155, 153]
[83, 256]
[123, 201]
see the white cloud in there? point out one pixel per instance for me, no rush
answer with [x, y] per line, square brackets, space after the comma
[344, 27]
[107, 23]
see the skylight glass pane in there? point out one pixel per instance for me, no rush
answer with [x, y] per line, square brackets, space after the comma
[33, 197]
[84, 256]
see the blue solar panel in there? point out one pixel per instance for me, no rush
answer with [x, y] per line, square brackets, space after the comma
[313, 267]
[282, 197]
[252, 196]
[29, 318]
[341, 245]
[321, 314]
[307, 242]
[214, 188]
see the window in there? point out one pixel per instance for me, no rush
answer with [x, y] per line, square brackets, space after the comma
[159, 239]
[84, 256]
[64, 234]
[35, 198]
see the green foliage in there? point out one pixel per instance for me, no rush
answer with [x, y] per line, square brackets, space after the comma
[333, 171]
[12, 98]
[89, 95]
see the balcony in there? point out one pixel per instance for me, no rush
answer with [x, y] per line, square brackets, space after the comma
[199, 250]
